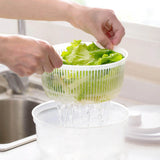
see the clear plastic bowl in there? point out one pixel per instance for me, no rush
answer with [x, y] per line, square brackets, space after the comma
[102, 141]
[84, 84]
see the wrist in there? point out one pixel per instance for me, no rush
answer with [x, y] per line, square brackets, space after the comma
[77, 14]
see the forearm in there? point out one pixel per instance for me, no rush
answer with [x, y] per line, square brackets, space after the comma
[50, 10]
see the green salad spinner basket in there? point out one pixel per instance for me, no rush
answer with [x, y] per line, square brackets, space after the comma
[84, 84]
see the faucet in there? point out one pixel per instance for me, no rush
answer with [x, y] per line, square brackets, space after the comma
[22, 31]
[21, 27]
[16, 83]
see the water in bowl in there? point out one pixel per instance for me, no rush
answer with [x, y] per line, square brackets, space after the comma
[78, 132]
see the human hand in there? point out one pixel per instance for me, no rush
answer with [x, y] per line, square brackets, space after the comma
[101, 23]
[25, 55]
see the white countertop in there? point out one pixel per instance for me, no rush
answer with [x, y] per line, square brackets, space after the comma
[133, 152]
[25, 152]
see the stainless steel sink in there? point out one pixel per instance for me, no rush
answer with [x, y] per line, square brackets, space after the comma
[15, 119]
[16, 123]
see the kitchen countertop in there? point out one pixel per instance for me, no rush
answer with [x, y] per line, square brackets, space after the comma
[133, 152]
[25, 152]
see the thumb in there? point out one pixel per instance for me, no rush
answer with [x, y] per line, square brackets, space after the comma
[55, 58]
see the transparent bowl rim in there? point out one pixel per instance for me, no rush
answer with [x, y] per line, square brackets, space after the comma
[50, 104]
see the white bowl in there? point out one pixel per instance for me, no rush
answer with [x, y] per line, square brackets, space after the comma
[103, 141]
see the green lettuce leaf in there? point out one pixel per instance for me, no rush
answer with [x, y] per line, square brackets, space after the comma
[79, 53]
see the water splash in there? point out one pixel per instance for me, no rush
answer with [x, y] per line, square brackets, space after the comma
[79, 115]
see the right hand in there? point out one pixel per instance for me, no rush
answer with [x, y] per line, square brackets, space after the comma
[101, 23]
[25, 55]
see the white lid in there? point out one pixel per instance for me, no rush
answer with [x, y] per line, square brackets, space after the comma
[144, 123]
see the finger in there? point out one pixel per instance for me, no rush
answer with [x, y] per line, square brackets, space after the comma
[109, 34]
[40, 70]
[55, 58]
[118, 31]
[104, 40]
[116, 39]
[108, 26]
[47, 66]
